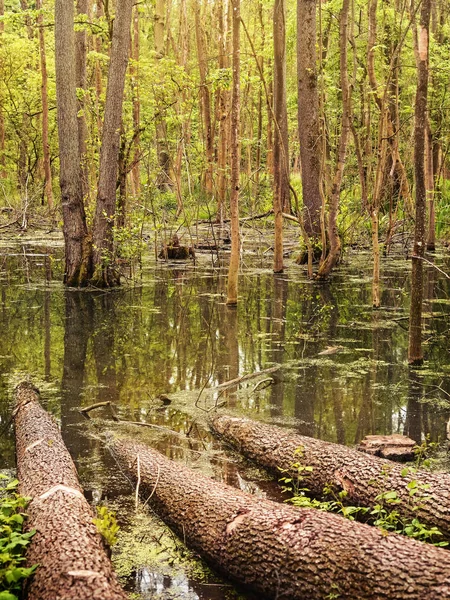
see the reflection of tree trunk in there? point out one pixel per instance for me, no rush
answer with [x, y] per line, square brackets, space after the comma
[78, 329]
[413, 423]
[104, 320]
[233, 352]
[278, 322]
[47, 335]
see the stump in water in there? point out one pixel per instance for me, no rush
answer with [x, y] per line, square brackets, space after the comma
[175, 251]
[394, 447]
[363, 477]
[281, 551]
[73, 564]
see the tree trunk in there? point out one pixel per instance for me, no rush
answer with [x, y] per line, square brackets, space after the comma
[103, 255]
[135, 53]
[415, 352]
[165, 182]
[3, 173]
[73, 564]
[224, 118]
[81, 54]
[205, 98]
[429, 154]
[77, 246]
[333, 233]
[362, 476]
[280, 148]
[308, 115]
[48, 190]
[232, 288]
[281, 551]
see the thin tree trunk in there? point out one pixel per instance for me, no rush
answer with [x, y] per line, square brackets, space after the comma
[77, 246]
[224, 118]
[281, 149]
[73, 564]
[205, 98]
[48, 190]
[280, 551]
[362, 476]
[3, 173]
[165, 182]
[232, 288]
[308, 115]
[103, 240]
[429, 177]
[81, 54]
[135, 173]
[415, 352]
[333, 233]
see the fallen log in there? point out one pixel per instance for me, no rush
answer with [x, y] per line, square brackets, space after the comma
[72, 560]
[423, 495]
[281, 551]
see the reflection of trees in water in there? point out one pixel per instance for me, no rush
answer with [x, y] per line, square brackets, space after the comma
[78, 329]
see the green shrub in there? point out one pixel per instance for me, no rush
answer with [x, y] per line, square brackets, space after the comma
[13, 542]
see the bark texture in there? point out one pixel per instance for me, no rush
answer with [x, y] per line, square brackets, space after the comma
[73, 564]
[362, 476]
[104, 274]
[415, 351]
[308, 115]
[281, 551]
[76, 241]
[280, 147]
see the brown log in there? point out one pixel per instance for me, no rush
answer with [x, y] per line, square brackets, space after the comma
[362, 476]
[281, 551]
[72, 560]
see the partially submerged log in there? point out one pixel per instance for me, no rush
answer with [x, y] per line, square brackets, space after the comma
[394, 447]
[281, 551]
[72, 560]
[363, 477]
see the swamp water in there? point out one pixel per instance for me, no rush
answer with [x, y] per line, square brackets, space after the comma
[159, 350]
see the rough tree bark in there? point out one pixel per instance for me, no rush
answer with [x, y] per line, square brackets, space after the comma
[362, 476]
[415, 352]
[233, 270]
[281, 139]
[103, 240]
[280, 551]
[73, 564]
[308, 115]
[77, 244]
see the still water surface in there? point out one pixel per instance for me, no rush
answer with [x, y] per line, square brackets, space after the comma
[158, 350]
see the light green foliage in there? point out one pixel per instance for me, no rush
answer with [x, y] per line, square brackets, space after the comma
[383, 514]
[13, 542]
[107, 525]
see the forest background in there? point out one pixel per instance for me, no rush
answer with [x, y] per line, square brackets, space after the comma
[332, 115]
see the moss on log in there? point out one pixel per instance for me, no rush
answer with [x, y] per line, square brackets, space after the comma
[73, 564]
[281, 551]
[361, 475]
